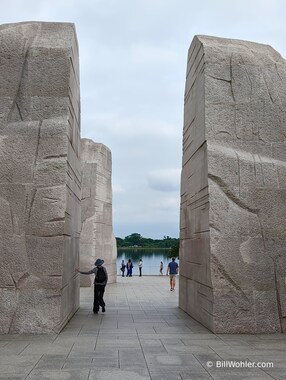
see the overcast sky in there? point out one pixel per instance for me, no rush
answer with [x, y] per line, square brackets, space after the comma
[133, 57]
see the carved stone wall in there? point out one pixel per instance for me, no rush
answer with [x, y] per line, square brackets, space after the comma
[233, 192]
[39, 176]
[96, 239]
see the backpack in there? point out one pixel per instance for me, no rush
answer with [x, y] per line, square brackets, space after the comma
[100, 276]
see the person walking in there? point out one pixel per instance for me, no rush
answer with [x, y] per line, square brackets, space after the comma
[173, 269]
[161, 268]
[123, 266]
[129, 268]
[140, 264]
[100, 281]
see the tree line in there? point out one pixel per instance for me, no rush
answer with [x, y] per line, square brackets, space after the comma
[136, 240]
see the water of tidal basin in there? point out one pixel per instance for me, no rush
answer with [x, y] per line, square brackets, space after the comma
[151, 260]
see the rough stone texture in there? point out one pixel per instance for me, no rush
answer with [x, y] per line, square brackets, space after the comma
[233, 191]
[96, 239]
[39, 176]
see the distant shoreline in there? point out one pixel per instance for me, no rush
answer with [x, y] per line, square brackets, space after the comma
[140, 248]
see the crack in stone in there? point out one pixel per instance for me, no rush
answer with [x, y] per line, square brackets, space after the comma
[15, 283]
[21, 279]
[269, 93]
[277, 71]
[214, 227]
[17, 95]
[238, 170]
[33, 192]
[223, 186]
[55, 156]
[37, 148]
[248, 77]
[231, 78]
[13, 318]
[26, 47]
[11, 216]
[56, 220]
[51, 199]
[20, 114]
[279, 307]
[261, 165]
[48, 235]
[55, 275]
[223, 132]
[15, 312]
[220, 79]
[228, 277]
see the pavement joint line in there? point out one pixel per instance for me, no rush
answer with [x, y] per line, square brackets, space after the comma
[69, 353]
[203, 367]
[163, 346]
[33, 367]
[97, 335]
[78, 334]
[148, 369]
[28, 344]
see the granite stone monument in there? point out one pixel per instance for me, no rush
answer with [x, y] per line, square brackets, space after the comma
[39, 176]
[233, 188]
[97, 239]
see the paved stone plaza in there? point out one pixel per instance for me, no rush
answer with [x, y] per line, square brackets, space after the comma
[142, 335]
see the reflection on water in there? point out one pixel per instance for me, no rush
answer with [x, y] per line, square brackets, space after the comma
[151, 260]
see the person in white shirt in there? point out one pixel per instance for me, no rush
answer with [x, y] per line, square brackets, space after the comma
[140, 264]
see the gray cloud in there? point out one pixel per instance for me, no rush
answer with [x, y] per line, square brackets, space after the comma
[164, 180]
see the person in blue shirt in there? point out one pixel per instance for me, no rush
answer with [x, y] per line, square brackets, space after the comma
[129, 268]
[173, 269]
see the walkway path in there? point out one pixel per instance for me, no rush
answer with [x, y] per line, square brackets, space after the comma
[142, 335]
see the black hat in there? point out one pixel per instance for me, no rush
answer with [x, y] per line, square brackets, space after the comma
[99, 262]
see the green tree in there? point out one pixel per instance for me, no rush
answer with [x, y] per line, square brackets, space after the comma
[119, 242]
[175, 249]
[133, 239]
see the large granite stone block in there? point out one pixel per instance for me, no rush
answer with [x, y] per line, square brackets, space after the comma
[39, 176]
[97, 239]
[233, 190]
